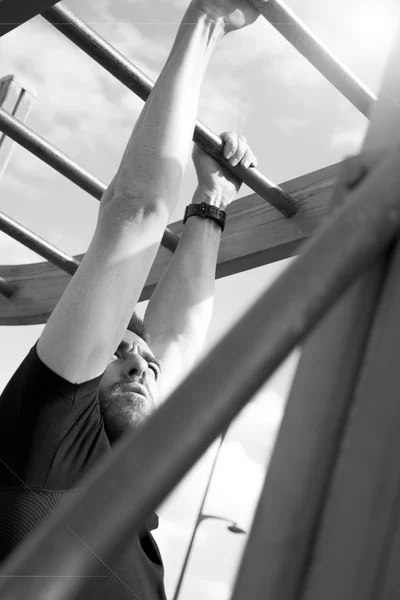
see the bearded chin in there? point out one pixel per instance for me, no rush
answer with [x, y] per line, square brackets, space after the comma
[119, 420]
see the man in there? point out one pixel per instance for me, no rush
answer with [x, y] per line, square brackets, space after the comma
[81, 388]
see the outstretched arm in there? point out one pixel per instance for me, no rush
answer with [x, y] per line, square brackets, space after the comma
[91, 317]
[180, 310]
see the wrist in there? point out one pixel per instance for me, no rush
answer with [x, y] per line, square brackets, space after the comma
[211, 196]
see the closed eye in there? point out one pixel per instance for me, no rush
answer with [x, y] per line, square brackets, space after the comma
[155, 370]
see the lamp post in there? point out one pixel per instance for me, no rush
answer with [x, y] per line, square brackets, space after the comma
[233, 527]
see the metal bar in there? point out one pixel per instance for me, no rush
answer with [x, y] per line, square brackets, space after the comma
[7, 288]
[298, 34]
[37, 244]
[128, 74]
[287, 514]
[206, 404]
[16, 12]
[59, 161]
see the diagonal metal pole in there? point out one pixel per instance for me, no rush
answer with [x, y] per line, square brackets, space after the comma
[34, 242]
[299, 35]
[134, 79]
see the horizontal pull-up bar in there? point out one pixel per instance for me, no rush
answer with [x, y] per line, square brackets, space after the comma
[298, 34]
[209, 399]
[133, 78]
[59, 161]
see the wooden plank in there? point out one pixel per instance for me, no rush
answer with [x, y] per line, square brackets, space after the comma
[16, 99]
[354, 534]
[15, 12]
[255, 235]
[309, 436]
[278, 553]
[365, 486]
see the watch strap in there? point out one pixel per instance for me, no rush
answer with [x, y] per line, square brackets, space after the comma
[207, 211]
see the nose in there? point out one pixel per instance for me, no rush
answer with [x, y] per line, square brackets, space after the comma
[135, 366]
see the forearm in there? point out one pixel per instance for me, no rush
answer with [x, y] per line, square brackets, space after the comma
[157, 152]
[181, 305]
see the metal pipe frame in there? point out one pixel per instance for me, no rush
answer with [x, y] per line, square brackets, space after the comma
[297, 33]
[283, 316]
[83, 36]
[59, 161]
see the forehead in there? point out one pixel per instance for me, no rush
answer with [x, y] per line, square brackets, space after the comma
[132, 338]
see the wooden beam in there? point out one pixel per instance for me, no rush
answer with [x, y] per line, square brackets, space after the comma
[354, 539]
[15, 12]
[355, 535]
[305, 450]
[256, 234]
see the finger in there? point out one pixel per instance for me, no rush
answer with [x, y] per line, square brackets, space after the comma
[248, 159]
[230, 143]
[240, 150]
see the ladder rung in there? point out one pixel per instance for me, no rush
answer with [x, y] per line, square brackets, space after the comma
[134, 79]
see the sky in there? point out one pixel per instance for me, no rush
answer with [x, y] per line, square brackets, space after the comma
[295, 121]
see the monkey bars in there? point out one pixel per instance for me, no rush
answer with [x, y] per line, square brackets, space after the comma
[327, 555]
[115, 63]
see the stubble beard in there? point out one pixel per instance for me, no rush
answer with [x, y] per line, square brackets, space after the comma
[122, 411]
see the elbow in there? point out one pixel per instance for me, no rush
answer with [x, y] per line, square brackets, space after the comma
[136, 207]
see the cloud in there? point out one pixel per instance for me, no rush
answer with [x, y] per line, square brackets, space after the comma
[290, 125]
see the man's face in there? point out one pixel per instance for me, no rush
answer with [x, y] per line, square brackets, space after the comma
[129, 388]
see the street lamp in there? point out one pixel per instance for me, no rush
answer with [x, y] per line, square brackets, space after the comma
[233, 527]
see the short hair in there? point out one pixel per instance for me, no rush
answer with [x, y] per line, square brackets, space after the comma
[136, 325]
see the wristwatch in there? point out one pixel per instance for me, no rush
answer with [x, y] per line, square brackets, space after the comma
[207, 211]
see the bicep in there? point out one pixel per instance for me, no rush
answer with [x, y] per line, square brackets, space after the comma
[91, 317]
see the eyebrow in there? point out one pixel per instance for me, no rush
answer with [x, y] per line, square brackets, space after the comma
[150, 358]
[147, 356]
